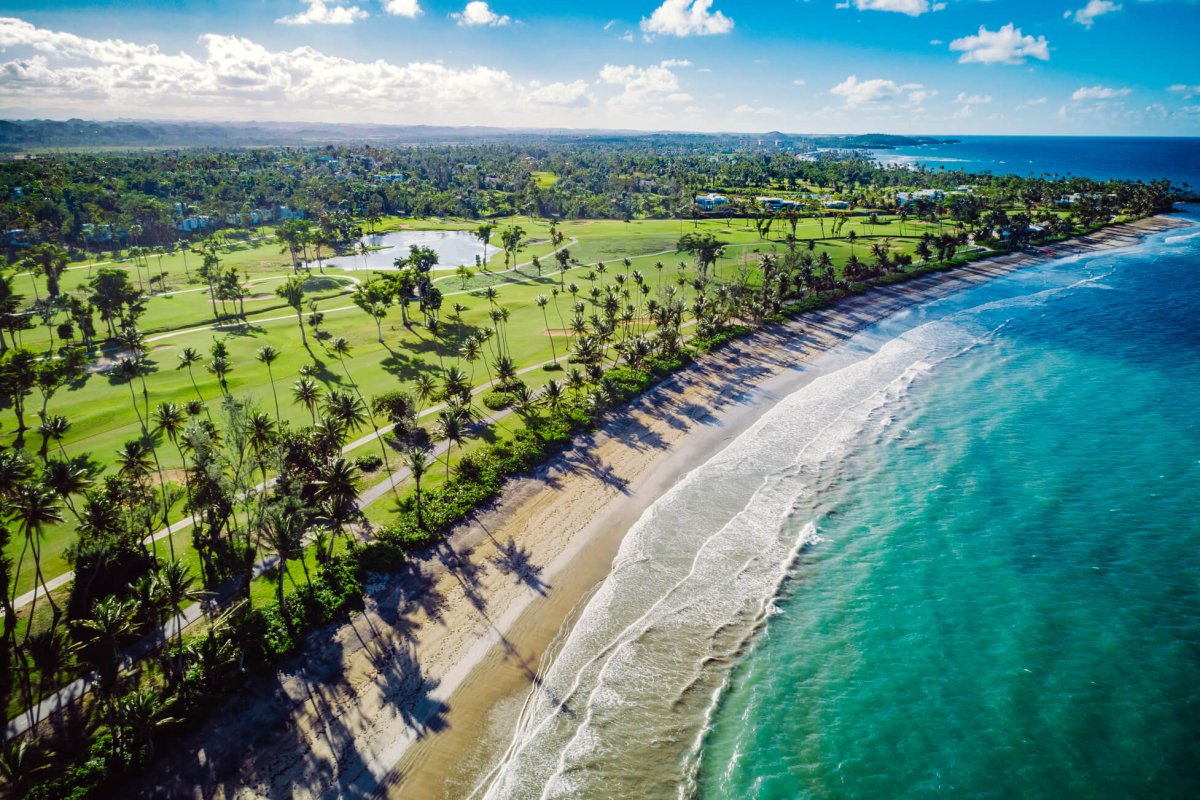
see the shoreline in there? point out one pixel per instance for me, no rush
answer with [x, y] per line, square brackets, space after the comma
[413, 698]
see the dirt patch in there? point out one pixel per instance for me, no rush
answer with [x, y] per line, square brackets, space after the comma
[262, 296]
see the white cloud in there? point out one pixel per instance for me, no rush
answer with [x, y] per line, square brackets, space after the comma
[319, 13]
[798, 82]
[1099, 93]
[913, 8]
[676, 62]
[1034, 103]
[973, 99]
[1005, 46]
[686, 18]
[643, 86]
[1095, 8]
[403, 8]
[234, 77]
[576, 94]
[1187, 91]
[917, 96]
[767, 111]
[477, 12]
[879, 91]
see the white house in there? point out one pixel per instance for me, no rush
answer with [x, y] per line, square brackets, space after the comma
[934, 195]
[712, 201]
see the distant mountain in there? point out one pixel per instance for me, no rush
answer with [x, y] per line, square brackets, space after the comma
[19, 135]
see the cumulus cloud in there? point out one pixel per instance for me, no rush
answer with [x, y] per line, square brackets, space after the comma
[686, 18]
[643, 86]
[477, 12]
[320, 13]
[1095, 8]
[236, 77]
[1099, 93]
[576, 94]
[879, 91]
[1033, 103]
[1005, 46]
[913, 8]
[1184, 89]
[403, 8]
[973, 99]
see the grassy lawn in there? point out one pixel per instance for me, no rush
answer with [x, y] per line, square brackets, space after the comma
[104, 413]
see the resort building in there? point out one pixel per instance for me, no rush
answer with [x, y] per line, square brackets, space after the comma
[775, 203]
[932, 195]
[712, 201]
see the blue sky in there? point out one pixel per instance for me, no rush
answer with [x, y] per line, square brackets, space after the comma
[900, 66]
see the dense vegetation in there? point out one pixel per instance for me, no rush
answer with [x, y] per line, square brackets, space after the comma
[171, 530]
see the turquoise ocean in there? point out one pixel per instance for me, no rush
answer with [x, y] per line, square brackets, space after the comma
[961, 558]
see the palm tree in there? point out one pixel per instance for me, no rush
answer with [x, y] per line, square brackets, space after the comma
[552, 395]
[35, 506]
[176, 582]
[292, 292]
[337, 489]
[142, 713]
[111, 620]
[188, 357]
[261, 435]
[66, 479]
[267, 355]
[456, 385]
[284, 526]
[50, 652]
[341, 348]
[53, 427]
[306, 392]
[128, 370]
[346, 410]
[418, 463]
[542, 301]
[484, 234]
[424, 387]
[451, 428]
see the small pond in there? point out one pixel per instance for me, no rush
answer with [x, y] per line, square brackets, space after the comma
[454, 248]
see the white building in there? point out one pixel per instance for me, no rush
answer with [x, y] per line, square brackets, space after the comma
[712, 201]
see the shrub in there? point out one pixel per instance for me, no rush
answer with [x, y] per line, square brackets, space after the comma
[369, 462]
[497, 400]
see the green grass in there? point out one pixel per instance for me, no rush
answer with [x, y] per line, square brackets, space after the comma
[101, 408]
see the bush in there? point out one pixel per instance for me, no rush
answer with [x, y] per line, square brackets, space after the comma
[497, 400]
[369, 462]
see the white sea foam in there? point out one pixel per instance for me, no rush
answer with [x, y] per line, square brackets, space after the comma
[630, 690]
[1179, 239]
[704, 561]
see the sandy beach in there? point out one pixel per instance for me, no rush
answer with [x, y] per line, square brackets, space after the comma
[416, 697]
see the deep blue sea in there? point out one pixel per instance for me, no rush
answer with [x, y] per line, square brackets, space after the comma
[1101, 158]
[961, 560]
